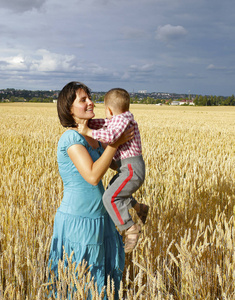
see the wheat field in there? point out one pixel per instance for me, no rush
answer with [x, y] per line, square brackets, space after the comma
[187, 247]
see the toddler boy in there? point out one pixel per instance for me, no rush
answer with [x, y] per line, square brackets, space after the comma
[118, 197]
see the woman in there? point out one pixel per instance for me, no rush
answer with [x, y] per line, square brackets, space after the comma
[81, 223]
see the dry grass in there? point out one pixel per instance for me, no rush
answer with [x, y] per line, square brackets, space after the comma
[187, 249]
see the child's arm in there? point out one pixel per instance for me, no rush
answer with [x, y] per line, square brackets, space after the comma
[85, 129]
[112, 130]
[108, 134]
[96, 123]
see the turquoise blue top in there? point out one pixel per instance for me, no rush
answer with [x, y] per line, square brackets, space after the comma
[81, 222]
[80, 197]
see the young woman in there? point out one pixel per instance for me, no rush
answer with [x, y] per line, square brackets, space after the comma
[81, 222]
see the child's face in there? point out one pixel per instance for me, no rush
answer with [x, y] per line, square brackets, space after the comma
[108, 113]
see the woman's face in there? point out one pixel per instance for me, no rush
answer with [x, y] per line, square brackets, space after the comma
[82, 107]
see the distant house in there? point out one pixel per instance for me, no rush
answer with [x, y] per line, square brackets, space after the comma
[186, 101]
[175, 103]
[54, 101]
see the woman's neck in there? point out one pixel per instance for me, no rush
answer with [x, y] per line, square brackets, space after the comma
[93, 143]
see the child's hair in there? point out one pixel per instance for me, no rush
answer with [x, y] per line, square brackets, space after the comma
[118, 98]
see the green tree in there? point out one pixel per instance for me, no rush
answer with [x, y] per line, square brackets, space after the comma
[200, 100]
[196, 100]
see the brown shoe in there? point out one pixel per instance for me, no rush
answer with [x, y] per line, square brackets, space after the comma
[143, 213]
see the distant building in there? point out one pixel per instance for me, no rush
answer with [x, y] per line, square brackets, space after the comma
[175, 103]
[142, 92]
[186, 101]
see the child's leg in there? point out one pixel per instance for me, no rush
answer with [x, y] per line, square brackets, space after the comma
[117, 201]
[118, 198]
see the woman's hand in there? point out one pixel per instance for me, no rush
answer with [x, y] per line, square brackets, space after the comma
[127, 135]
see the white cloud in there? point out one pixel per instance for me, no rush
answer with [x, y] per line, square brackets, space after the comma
[48, 65]
[41, 61]
[210, 67]
[168, 33]
[50, 62]
[14, 63]
[213, 67]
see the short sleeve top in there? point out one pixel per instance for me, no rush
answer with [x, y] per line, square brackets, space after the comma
[79, 196]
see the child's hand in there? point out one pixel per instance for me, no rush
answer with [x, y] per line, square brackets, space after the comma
[84, 129]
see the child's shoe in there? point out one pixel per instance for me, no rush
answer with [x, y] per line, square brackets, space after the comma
[132, 236]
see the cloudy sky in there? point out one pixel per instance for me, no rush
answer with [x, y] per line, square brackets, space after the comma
[176, 46]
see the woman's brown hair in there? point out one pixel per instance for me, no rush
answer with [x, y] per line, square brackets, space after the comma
[65, 100]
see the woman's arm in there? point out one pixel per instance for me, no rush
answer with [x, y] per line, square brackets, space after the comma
[91, 171]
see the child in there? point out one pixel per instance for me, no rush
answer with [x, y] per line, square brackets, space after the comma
[118, 198]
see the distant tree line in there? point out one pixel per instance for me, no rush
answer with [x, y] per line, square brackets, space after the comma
[197, 100]
[13, 95]
[214, 100]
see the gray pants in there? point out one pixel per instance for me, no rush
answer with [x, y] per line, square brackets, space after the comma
[118, 198]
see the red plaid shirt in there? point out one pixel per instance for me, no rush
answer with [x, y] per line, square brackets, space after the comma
[109, 130]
